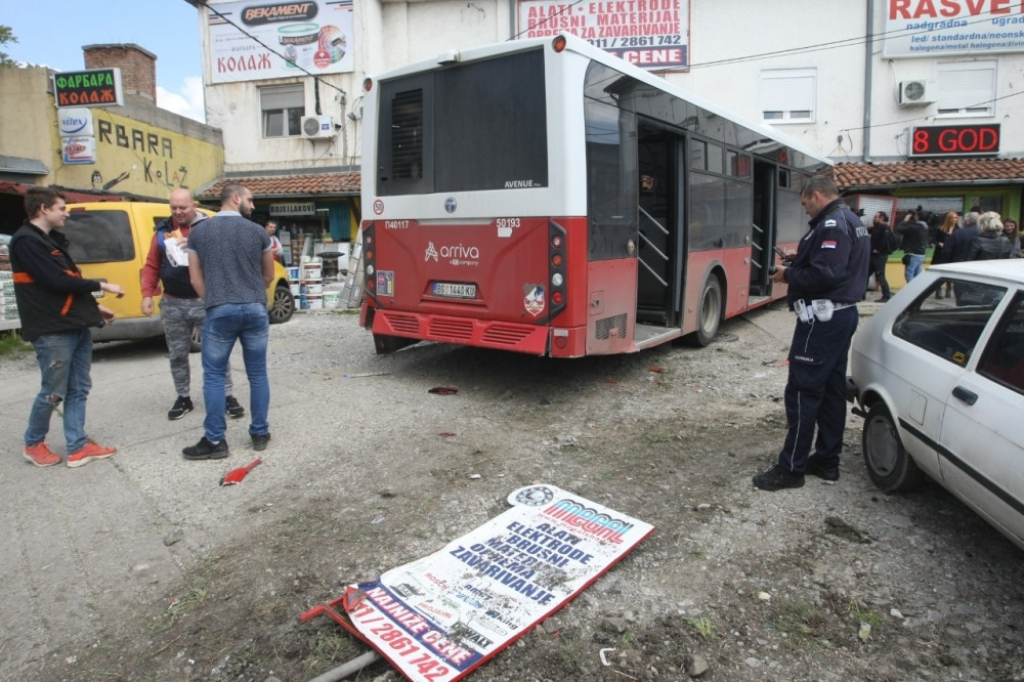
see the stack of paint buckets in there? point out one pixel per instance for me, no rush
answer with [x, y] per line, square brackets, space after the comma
[313, 281]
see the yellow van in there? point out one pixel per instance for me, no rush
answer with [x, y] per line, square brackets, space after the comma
[110, 241]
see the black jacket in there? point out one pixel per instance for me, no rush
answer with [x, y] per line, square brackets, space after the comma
[915, 237]
[958, 243]
[52, 296]
[832, 259]
[989, 246]
[880, 239]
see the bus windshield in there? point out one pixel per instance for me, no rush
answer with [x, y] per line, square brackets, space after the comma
[479, 126]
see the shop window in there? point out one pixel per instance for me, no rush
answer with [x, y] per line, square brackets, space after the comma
[787, 95]
[967, 89]
[282, 108]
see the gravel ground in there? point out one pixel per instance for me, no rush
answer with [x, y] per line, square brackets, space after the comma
[828, 582]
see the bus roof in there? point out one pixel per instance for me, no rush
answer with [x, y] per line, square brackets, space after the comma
[580, 46]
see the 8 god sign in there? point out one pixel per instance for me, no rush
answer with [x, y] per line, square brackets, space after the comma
[969, 140]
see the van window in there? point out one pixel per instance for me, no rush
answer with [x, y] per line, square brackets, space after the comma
[99, 236]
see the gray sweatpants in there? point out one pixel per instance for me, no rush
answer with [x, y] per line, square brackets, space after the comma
[180, 316]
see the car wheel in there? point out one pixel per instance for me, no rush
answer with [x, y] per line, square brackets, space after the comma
[197, 339]
[710, 313]
[889, 465]
[284, 305]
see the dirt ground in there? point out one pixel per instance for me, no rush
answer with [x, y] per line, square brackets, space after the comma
[828, 582]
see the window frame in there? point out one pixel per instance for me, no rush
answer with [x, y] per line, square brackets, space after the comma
[967, 112]
[291, 123]
[787, 114]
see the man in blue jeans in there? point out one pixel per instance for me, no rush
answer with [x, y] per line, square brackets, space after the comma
[57, 309]
[231, 264]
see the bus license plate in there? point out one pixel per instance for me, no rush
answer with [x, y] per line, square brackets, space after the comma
[449, 290]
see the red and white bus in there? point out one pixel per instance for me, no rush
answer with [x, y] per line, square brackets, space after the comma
[545, 197]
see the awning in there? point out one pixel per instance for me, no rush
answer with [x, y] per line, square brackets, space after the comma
[292, 186]
[70, 195]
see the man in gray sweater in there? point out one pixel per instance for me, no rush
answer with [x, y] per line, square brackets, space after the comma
[231, 263]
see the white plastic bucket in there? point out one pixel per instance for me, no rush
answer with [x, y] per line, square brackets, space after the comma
[316, 301]
[296, 288]
[331, 299]
[314, 288]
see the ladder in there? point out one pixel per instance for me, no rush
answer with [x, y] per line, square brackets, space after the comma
[352, 293]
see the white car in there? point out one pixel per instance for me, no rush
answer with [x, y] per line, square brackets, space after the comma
[940, 384]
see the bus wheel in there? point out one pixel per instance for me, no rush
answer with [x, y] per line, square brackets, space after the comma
[710, 312]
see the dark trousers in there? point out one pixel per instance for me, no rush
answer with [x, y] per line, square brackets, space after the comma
[877, 266]
[816, 390]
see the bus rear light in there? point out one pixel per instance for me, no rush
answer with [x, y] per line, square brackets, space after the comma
[369, 270]
[557, 260]
[556, 241]
[371, 283]
[558, 44]
[561, 342]
[369, 254]
[557, 279]
[557, 297]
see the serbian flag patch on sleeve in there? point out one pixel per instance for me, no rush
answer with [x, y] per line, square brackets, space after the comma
[828, 244]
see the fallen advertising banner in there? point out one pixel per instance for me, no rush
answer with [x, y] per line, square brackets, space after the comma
[438, 618]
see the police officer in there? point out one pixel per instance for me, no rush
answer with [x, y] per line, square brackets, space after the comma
[826, 279]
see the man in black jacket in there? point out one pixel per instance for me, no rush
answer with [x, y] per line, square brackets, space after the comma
[57, 309]
[914, 233]
[880, 239]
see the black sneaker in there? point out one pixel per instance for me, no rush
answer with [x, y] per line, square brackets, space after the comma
[232, 408]
[259, 441]
[778, 478]
[182, 406]
[815, 468]
[204, 449]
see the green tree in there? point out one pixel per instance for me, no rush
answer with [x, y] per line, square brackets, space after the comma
[6, 36]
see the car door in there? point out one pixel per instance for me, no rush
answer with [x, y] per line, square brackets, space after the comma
[982, 439]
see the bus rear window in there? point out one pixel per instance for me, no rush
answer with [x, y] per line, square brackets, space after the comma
[478, 126]
[99, 236]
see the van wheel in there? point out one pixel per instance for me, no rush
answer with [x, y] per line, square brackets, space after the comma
[709, 313]
[197, 339]
[284, 305]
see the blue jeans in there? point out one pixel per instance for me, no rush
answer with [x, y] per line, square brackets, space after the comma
[64, 361]
[224, 324]
[914, 267]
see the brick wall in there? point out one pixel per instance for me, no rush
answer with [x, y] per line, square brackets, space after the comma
[138, 67]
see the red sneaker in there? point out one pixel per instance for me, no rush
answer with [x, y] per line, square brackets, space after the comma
[40, 455]
[87, 454]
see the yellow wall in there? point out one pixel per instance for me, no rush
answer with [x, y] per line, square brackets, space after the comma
[150, 161]
[28, 118]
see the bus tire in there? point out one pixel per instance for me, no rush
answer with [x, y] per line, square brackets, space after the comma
[709, 312]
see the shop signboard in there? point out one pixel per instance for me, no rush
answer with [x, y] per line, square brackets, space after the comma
[300, 208]
[442, 616]
[75, 121]
[965, 140]
[90, 88]
[652, 34]
[928, 28]
[260, 40]
[78, 150]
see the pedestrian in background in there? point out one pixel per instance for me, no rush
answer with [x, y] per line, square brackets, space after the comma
[991, 243]
[881, 247]
[949, 225]
[231, 265]
[955, 249]
[826, 280]
[1012, 234]
[182, 311]
[57, 311]
[275, 243]
[913, 232]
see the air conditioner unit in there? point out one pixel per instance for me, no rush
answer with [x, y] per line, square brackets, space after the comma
[916, 93]
[318, 127]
